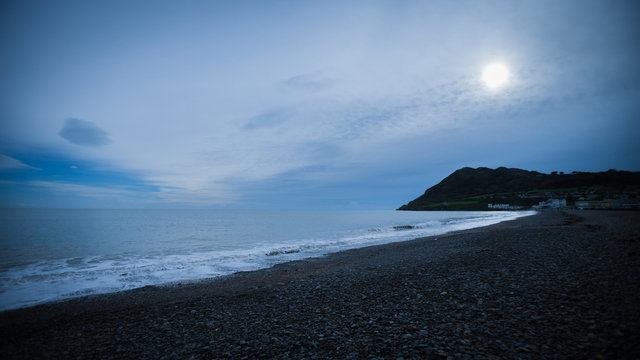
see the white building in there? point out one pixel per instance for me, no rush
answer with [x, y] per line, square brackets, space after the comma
[499, 206]
[551, 204]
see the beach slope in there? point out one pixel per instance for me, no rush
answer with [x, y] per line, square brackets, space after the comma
[553, 285]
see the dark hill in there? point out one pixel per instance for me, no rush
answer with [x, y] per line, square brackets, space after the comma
[474, 189]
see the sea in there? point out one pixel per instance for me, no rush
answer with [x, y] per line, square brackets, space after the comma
[54, 254]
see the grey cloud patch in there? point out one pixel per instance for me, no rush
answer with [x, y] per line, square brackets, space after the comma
[85, 133]
[317, 150]
[268, 119]
[7, 162]
[308, 83]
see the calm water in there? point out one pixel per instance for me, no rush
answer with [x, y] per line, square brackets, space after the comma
[52, 254]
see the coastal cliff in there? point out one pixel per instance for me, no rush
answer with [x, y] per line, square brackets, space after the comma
[510, 188]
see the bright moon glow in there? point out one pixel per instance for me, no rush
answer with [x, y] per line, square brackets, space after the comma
[495, 75]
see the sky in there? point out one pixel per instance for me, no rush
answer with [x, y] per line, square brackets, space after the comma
[305, 104]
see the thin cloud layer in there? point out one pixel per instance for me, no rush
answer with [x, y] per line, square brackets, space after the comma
[7, 162]
[234, 105]
[308, 83]
[84, 133]
[268, 119]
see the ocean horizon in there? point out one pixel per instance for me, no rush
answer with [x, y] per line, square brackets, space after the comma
[55, 254]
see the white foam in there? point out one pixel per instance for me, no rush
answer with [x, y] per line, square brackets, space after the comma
[55, 279]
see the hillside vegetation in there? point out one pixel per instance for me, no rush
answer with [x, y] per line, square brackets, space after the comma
[475, 189]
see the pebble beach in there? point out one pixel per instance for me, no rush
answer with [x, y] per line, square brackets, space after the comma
[556, 285]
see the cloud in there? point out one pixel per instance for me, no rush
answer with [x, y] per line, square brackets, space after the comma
[7, 162]
[337, 98]
[84, 133]
[85, 190]
[308, 83]
[268, 119]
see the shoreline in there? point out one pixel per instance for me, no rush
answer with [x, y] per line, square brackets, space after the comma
[494, 291]
[196, 282]
[267, 257]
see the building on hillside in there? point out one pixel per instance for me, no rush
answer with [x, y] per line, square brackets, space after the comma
[605, 204]
[504, 207]
[551, 204]
[498, 206]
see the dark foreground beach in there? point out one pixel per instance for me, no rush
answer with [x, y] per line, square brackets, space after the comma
[554, 285]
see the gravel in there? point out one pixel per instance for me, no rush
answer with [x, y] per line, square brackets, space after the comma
[555, 285]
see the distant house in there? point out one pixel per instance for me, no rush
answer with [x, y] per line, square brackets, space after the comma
[551, 204]
[499, 206]
[602, 204]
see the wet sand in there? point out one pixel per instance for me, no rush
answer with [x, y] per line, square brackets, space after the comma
[553, 285]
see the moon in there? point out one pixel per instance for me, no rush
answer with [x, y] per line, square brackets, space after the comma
[495, 75]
